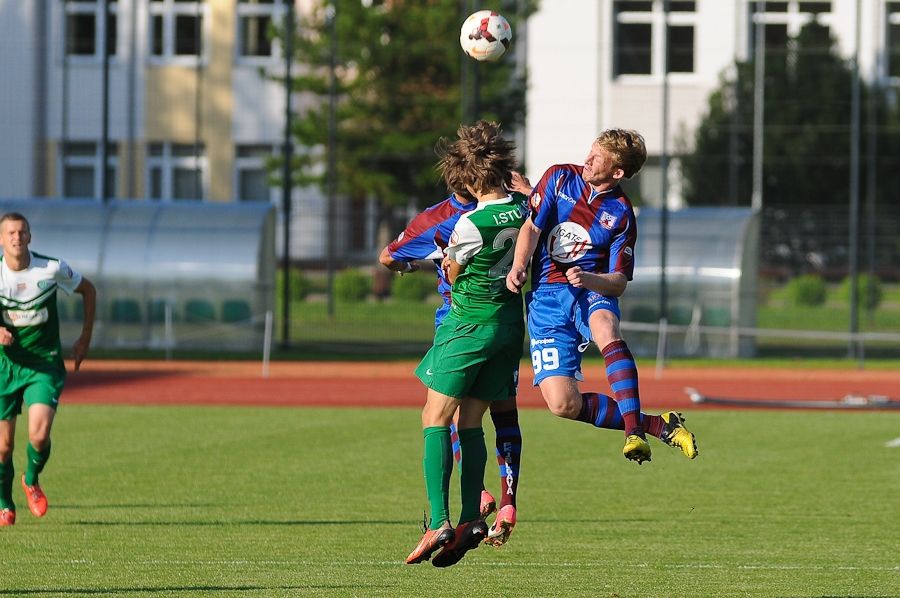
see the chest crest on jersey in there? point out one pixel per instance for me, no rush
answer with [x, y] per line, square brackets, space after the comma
[608, 221]
[568, 242]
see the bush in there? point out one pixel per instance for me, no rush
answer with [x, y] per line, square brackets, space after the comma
[300, 285]
[807, 290]
[413, 287]
[351, 285]
[870, 296]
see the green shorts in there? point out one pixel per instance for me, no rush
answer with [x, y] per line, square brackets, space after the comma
[20, 384]
[480, 361]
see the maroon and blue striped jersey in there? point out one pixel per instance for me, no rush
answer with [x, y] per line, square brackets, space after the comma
[426, 237]
[580, 227]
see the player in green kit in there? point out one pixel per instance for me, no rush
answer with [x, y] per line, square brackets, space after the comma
[31, 364]
[478, 346]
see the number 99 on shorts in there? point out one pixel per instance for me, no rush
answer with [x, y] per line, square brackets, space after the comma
[544, 359]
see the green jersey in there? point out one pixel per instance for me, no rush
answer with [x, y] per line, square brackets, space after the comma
[484, 241]
[28, 305]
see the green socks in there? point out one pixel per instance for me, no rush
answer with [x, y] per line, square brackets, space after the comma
[438, 465]
[36, 461]
[472, 463]
[7, 473]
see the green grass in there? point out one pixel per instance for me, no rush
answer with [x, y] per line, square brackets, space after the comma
[185, 501]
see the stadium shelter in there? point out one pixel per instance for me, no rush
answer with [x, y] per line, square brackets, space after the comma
[169, 275]
[712, 258]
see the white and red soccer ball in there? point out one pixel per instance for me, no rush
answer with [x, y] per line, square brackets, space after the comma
[485, 35]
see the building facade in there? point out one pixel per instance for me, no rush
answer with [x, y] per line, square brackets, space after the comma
[602, 63]
[195, 106]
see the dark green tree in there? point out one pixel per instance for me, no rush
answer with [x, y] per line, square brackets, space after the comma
[399, 69]
[806, 132]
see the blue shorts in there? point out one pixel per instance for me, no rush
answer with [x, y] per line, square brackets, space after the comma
[558, 327]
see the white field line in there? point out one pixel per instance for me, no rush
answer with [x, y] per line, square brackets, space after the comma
[537, 565]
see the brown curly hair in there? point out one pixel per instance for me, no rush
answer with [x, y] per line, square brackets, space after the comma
[480, 158]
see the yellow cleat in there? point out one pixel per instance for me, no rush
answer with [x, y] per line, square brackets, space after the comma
[636, 449]
[675, 434]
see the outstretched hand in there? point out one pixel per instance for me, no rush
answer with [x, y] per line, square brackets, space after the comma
[520, 183]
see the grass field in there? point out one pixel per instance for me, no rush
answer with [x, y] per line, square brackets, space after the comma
[188, 501]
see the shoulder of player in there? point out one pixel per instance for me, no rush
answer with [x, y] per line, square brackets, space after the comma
[440, 213]
[39, 260]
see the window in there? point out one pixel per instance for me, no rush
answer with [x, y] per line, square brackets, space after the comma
[176, 171]
[80, 168]
[85, 33]
[784, 20]
[177, 29]
[254, 19]
[638, 37]
[251, 177]
[893, 39]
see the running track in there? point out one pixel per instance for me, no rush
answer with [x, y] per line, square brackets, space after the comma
[349, 384]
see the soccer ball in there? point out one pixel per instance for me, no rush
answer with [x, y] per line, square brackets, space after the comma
[485, 35]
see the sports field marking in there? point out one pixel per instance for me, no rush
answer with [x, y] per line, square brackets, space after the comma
[895, 443]
[483, 563]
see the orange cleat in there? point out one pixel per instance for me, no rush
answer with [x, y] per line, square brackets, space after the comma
[7, 517]
[431, 541]
[467, 536]
[37, 501]
[502, 528]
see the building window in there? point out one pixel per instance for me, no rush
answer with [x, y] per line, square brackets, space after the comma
[177, 29]
[85, 32]
[80, 168]
[893, 39]
[254, 21]
[176, 171]
[784, 20]
[251, 176]
[638, 37]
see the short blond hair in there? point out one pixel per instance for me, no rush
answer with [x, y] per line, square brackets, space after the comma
[627, 148]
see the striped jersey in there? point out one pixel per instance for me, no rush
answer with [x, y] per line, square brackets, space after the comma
[28, 306]
[426, 237]
[580, 227]
[484, 241]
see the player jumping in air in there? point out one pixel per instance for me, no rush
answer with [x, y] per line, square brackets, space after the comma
[31, 364]
[478, 346]
[580, 238]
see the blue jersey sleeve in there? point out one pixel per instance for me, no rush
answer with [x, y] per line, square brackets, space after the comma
[544, 197]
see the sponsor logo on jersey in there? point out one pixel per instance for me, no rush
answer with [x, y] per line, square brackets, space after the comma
[536, 200]
[46, 284]
[400, 238]
[67, 271]
[21, 286]
[607, 220]
[568, 242]
[628, 251]
[25, 317]
[428, 372]
[542, 341]
[566, 197]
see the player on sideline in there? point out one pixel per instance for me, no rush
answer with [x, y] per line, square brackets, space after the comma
[426, 237]
[477, 347]
[580, 237]
[31, 364]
